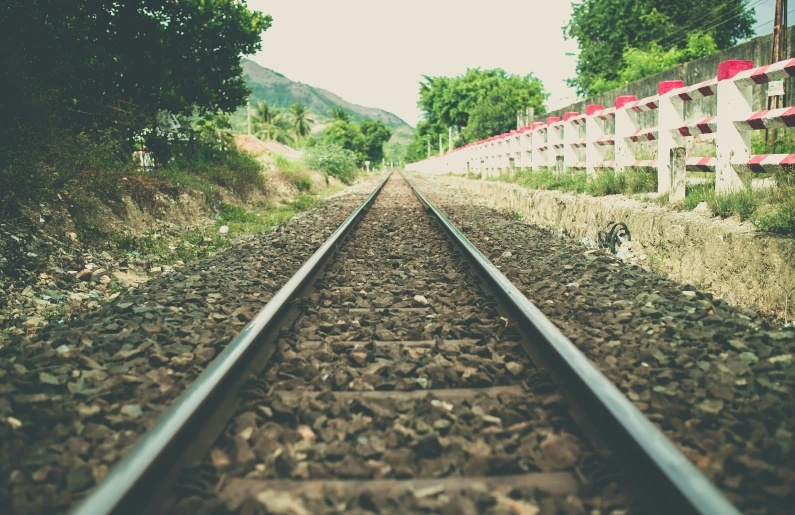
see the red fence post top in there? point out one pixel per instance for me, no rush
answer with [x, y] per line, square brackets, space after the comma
[570, 114]
[536, 125]
[669, 85]
[552, 119]
[624, 100]
[593, 108]
[728, 69]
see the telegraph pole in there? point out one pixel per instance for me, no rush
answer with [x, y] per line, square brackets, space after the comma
[248, 114]
[441, 148]
[450, 139]
[780, 41]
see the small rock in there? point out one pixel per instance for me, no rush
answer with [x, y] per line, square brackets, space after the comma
[514, 368]
[713, 406]
[46, 378]
[306, 433]
[420, 299]
[223, 229]
[132, 410]
[748, 357]
[276, 503]
[13, 422]
[702, 207]
[219, 458]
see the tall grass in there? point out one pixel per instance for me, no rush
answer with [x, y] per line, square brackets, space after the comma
[295, 171]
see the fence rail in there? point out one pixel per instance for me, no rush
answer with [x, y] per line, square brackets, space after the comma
[612, 138]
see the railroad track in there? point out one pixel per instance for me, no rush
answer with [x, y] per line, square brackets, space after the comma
[398, 371]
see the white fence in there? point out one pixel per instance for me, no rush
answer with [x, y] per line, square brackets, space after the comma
[613, 138]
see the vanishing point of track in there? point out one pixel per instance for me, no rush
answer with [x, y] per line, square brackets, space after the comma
[398, 358]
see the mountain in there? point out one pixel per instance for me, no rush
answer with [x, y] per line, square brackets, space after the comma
[279, 91]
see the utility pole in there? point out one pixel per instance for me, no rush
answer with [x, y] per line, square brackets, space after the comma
[450, 139]
[248, 113]
[429, 147]
[441, 148]
[779, 52]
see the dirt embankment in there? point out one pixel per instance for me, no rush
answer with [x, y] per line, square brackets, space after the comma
[69, 255]
[727, 257]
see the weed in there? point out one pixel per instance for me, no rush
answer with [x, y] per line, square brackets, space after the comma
[782, 220]
[295, 172]
[547, 179]
[606, 182]
[657, 259]
[743, 203]
[695, 194]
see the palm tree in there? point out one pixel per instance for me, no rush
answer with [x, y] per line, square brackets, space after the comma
[301, 120]
[338, 113]
[278, 128]
[261, 119]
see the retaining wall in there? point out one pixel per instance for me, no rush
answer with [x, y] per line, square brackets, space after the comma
[724, 256]
[758, 50]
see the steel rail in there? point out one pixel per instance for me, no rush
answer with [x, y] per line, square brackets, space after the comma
[669, 481]
[130, 485]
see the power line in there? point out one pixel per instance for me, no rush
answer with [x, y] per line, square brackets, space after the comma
[676, 35]
[771, 21]
[714, 26]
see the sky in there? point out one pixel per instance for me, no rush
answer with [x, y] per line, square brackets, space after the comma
[375, 53]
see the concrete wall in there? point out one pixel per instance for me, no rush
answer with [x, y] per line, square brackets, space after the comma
[759, 50]
[726, 257]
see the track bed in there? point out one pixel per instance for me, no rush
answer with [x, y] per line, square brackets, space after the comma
[401, 388]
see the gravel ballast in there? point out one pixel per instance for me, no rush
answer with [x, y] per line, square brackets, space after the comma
[401, 370]
[75, 398]
[717, 380]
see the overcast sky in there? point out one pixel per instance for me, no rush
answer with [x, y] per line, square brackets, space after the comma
[374, 53]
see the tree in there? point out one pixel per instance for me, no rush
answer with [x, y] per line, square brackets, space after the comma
[300, 119]
[494, 114]
[375, 135]
[332, 159]
[338, 113]
[449, 102]
[349, 136]
[272, 124]
[261, 118]
[606, 29]
[105, 68]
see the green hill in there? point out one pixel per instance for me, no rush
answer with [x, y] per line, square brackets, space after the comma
[279, 91]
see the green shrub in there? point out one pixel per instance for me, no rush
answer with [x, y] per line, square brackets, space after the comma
[606, 182]
[782, 220]
[629, 182]
[230, 168]
[295, 171]
[743, 203]
[639, 181]
[304, 202]
[235, 213]
[333, 160]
